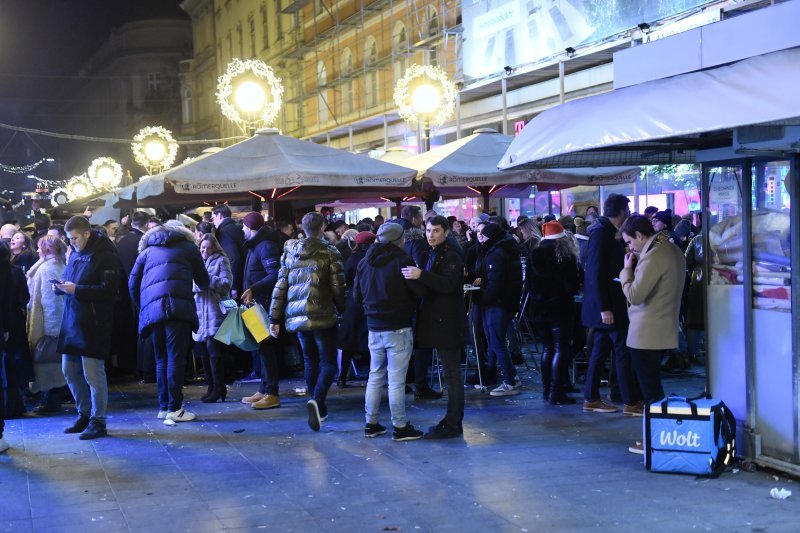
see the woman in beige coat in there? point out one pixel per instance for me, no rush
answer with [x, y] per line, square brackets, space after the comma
[44, 322]
[652, 280]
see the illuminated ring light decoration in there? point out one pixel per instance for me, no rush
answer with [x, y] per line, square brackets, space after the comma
[245, 75]
[60, 196]
[153, 139]
[79, 187]
[105, 173]
[419, 75]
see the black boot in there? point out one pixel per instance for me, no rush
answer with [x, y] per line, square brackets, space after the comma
[547, 375]
[80, 424]
[209, 374]
[558, 368]
[344, 368]
[220, 391]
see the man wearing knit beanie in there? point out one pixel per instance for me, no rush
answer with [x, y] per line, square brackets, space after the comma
[262, 253]
[392, 233]
[389, 301]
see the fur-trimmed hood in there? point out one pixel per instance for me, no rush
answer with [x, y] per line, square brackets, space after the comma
[164, 236]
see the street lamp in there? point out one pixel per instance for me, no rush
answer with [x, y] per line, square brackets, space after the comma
[249, 94]
[154, 148]
[104, 173]
[425, 95]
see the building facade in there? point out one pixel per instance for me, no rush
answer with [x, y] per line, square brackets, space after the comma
[130, 82]
[339, 60]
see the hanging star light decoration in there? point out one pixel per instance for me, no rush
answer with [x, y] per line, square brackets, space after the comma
[79, 187]
[155, 135]
[421, 74]
[105, 173]
[60, 196]
[246, 75]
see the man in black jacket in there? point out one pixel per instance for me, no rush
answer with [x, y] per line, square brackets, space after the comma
[161, 289]
[442, 320]
[89, 286]
[605, 310]
[388, 300]
[500, 279]
[128, 250]
[231, 237]
[263, 249]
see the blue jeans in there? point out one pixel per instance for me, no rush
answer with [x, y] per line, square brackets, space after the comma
[86, 378]
[495, 325]
[172, 340]
[321, 366]
[389, 353]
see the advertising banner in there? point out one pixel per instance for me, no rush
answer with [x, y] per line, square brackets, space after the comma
[499, 33]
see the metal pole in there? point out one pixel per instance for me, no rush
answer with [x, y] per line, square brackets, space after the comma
[560, 82]
[504, 93]
[427, 134]
[350, 133]
[458, 115]
[747, 275]
[793, 185]
[385, 132]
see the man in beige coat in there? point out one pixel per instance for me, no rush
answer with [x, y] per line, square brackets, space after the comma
[652, 281]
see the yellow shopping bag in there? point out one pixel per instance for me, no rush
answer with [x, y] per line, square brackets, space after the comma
[256, 320]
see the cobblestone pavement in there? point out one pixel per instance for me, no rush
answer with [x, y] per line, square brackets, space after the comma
[521, 466]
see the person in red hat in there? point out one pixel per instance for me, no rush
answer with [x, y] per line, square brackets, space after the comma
[554, 282]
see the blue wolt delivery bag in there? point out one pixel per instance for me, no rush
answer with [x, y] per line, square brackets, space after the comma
[689, 436]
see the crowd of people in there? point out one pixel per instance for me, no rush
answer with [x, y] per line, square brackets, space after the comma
[390, 291]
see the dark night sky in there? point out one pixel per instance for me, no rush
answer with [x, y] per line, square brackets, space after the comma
[42, 44]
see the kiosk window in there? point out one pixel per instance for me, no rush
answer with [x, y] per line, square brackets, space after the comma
[771, 264]
[725, 225]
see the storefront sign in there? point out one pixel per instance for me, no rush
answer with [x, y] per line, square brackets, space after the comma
[724, 193]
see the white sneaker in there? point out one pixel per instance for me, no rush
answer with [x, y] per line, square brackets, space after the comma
[3, 445]
[161, 415]
[182, 415]
[504, 390]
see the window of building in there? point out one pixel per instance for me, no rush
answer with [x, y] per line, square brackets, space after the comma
[153, 82]
[265, 25]
[186, 108]
[252, 26]
[347, 85]
[432, 56]
[371, 78]
[278, 21]
[433, 21]
[400, 49]
[229, 38]
[240, 37]
[322, 93]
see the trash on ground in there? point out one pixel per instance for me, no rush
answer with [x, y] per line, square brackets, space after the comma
[780, 494]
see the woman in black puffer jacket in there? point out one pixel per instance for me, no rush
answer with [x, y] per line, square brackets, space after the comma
[554, 282]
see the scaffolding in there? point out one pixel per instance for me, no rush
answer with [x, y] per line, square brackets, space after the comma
[383, 38]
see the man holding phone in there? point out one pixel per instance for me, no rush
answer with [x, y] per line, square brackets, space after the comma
[90, 289]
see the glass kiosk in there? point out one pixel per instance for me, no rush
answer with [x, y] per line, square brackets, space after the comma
[750, 225]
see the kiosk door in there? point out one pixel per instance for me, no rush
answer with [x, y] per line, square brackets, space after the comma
[770, 263]
[725, 314]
